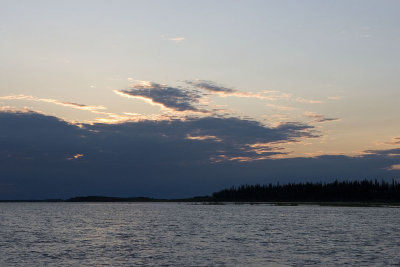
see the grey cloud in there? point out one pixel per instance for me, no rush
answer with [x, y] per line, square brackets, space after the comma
[210, 86]
[179, 99]
[327, 119]
[44, 157]
[42, 134]
[319, 117]
[74, 104]
[170, 97]
[389, 152]
[233, 135]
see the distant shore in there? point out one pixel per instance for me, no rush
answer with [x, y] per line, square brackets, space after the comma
[346, 193]
[196, 202]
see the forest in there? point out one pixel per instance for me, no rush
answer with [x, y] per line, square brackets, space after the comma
[343, 191]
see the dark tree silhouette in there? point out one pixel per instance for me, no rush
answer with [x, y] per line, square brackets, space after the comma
[346, 191]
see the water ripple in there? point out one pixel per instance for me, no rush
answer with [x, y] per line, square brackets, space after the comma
[171, 234]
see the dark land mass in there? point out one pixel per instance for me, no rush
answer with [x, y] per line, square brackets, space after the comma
[345, 193]
[111, 199]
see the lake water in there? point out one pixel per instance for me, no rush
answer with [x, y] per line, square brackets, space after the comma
[183, 234]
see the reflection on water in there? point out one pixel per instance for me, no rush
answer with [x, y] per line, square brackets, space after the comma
[124, 234]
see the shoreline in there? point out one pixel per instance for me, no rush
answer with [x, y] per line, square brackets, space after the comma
[211, 203]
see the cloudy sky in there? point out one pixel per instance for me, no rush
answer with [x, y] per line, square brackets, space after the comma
[182, 98]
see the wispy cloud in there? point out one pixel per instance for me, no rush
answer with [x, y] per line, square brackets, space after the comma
[395, 141]
[103, 116]
[53, 101]
[280, 107]
[177, 39]
[271, 95]
[309, 101]
[395, 152]
[213, 88]
[319, 117]
[9, 109]
[334, 98]
[203, 137]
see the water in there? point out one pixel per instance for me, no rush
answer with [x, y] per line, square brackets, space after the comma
[173, 234]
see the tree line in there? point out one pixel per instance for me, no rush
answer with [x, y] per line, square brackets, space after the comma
[344, 191]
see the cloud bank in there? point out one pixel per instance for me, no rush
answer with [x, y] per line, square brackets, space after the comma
[45, 157]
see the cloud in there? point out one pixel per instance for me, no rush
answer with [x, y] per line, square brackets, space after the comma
[309, 101]
[76, 156]
[169, 97]
[271, 95]
[395, 141]
[280, 107]
[177, 39]
[14, 110]
[174, 158]
[53, 101]
[227, 136]
[105, 117]
[319, 117]
[211, 86]
[387, 153]
[194, 99]
[203, 137]
[395, 167]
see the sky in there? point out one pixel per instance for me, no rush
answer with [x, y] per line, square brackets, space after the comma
[182, 98]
